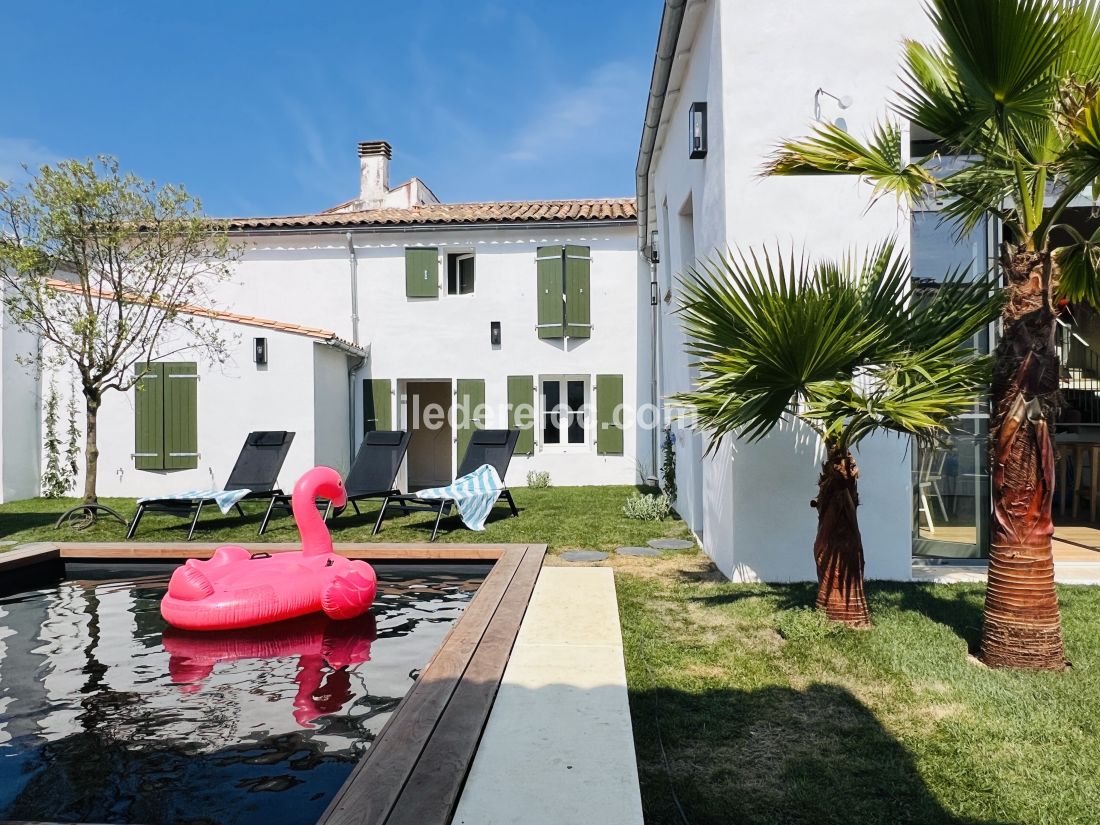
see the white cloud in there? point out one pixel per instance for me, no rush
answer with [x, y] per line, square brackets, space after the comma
[578, 118]
[15, 152]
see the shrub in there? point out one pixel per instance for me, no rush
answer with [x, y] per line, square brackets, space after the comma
[647, 507]
[538, 478]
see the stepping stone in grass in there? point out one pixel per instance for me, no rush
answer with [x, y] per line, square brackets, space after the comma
[671, 544]
[584, 555]
[637, 551]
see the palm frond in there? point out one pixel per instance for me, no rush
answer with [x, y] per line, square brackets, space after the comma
[838, 344]
[1079, 267]
[830, 150]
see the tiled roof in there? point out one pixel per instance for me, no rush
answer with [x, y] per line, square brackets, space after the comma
[230, 317]
[602, 209]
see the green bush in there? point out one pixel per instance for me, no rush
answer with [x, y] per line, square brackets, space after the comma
[647, 507]
[538, 478]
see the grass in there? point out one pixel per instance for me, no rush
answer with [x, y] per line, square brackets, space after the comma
[563, 517]
[769, 715]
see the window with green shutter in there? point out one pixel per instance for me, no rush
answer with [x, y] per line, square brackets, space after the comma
[609, 414]
[166, 422]
[578, 305]
[521, 411]
[564, 291]
[377, 404]
[421, 272]
[470, 396]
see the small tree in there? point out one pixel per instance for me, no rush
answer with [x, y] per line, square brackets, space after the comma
[844, 348]
[72, 433]
[108, 270]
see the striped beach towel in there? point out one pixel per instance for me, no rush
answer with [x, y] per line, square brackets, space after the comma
[225, 499]
[474, 494]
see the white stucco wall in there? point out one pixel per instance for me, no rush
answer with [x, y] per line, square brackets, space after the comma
[305, 278]
[20, 416]
[331, 433]
[757, 66]
[234, 399]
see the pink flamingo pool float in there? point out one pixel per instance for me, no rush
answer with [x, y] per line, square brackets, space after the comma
[237, 589]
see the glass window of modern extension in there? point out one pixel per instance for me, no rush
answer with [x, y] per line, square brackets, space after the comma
[951, 491]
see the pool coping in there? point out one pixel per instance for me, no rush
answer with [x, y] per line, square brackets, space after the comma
[434, 732]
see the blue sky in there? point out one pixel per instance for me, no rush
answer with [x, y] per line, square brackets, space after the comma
[257, 106]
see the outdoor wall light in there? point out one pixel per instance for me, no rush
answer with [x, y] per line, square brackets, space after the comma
[259, 351]
[494, 333]
[844, 101]
[654, 253]
[697, 123]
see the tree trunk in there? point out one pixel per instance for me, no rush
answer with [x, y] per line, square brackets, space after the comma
[838, 548]
[92, 401]
[1021, 626]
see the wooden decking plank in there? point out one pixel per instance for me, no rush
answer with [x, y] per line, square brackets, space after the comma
[375, 784]
[433, 788]
[155, 551]
[26, 555]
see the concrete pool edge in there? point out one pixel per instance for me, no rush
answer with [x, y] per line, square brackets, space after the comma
[416, 767]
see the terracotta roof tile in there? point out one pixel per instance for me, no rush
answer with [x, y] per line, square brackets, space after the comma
[613, 209]
[231, 317]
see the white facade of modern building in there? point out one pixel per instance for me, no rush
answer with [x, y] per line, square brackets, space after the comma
[371, 355]
[758, 68]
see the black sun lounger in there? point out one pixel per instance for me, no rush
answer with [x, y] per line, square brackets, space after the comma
[373, 473]
[257, 470]
[493, 447]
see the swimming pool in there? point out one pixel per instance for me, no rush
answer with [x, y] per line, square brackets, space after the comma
[107, 716]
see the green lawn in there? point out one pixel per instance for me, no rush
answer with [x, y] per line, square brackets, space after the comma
[769, 716]
[563, 517]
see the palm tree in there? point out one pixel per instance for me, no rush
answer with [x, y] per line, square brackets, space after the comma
[847, 349]
[1012, 86]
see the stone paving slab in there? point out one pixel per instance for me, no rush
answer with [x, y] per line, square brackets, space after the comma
[637, 551]
[671, 544]
[584, 555]
[558, 748]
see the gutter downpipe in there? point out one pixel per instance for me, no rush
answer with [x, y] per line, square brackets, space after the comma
[672, 19]
[353, 366]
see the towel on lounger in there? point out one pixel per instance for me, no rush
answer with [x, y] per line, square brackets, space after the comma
[474, 494]
[225, 499]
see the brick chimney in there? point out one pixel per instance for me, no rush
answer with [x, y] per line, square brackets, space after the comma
[374, 173]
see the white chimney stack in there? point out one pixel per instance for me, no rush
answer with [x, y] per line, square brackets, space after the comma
[374, 173]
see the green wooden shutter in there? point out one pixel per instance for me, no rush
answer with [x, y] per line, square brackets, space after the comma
[550, 283]
[470, 396]
[149, 417]
[578, 300]
[521, 394]
[181, 416]
[609, 398]
[377, 406]
[421, 272]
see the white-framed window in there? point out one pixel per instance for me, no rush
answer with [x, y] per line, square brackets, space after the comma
[460, 273]
[563, 411]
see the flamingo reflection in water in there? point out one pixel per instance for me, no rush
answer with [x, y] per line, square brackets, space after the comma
[319, 642]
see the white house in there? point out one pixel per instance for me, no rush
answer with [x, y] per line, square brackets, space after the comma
[762, 72]
[396, 311]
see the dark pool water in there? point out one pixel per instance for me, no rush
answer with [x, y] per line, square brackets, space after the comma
[107, 716]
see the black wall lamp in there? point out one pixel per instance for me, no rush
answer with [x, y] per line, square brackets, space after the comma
[494, 333]
[697, 122]
[259, 351]
[654, 251]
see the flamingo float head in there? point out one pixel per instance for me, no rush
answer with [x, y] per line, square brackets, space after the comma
[321, 482]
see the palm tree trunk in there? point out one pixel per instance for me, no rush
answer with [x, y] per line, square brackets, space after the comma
[838, 548]
[1022, 627]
